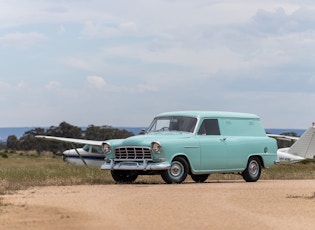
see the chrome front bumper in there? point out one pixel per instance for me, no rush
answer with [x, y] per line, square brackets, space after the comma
[132, 165]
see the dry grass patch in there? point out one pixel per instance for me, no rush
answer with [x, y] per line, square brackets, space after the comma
[308, 197]
[24, 170]
[21, 172]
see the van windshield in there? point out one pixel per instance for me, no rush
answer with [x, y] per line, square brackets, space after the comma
[173, 123]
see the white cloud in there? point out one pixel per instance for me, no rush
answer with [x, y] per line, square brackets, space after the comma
[21, 40]
[101, 30]
[53, 85]
[22, 85]
[96, 81]
[4, 85]
[164, 55]
[78, 63]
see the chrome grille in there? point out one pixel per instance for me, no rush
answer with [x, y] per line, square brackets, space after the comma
[133, 153]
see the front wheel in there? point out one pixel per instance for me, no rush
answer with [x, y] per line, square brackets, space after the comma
[253, 170]
[177, 172]
[122, 176]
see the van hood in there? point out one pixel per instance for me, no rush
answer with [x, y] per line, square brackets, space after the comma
[146, 140]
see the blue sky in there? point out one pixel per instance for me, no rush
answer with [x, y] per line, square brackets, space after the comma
[119, 63]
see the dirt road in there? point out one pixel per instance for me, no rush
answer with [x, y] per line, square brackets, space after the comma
[212, 205]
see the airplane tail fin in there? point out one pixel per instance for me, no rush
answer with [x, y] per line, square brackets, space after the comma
[305, 145]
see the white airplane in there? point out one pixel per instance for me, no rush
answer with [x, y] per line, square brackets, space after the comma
[303, 147]
[90, 154]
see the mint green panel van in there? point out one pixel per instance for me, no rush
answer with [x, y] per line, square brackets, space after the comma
[195, 143]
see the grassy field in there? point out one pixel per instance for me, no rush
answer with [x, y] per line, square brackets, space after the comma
[24, 170]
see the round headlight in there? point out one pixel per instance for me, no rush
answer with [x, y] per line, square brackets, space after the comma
[106, 148]
[156, 147]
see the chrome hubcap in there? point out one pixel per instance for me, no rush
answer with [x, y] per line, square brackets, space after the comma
[253, 168]
[176, 169]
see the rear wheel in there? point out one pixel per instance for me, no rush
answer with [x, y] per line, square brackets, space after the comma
[122, 176]
[200, 178]
[177, 173]
[253, 170]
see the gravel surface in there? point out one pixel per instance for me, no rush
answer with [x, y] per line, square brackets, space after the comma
[273, 204]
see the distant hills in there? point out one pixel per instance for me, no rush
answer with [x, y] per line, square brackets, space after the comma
[19, 131]
[298, 132]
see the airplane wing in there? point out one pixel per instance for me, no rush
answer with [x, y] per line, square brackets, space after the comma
[70, 140]
[283, 137]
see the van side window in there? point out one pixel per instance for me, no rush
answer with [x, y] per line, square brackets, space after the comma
[209, 127]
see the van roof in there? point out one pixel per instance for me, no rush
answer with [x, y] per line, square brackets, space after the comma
[209, 114]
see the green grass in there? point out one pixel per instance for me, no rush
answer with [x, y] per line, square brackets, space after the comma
[21, 171]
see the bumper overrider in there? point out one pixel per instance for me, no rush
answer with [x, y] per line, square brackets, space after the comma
[133, 165]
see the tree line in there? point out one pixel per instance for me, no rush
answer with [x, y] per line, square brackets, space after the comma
[28, 141]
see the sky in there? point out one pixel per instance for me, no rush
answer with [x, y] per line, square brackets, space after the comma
[120, 63]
